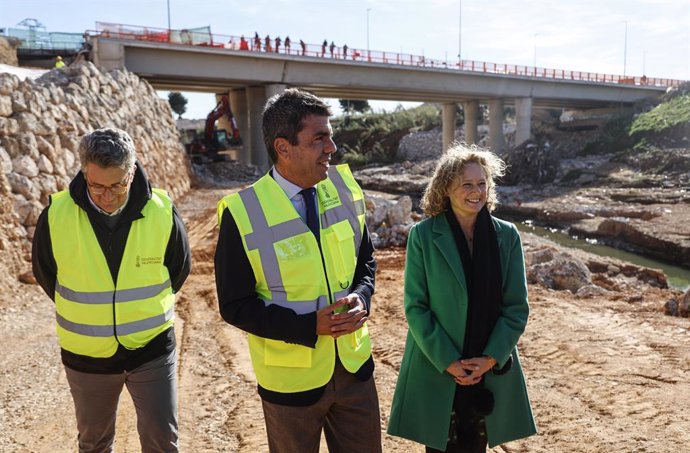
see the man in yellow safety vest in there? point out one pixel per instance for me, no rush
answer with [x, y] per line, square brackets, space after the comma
[112, 252]
[295, 269]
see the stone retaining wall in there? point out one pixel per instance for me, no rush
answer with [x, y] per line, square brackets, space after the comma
[41, 123]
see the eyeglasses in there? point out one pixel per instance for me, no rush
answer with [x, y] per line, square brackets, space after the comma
[116, 189]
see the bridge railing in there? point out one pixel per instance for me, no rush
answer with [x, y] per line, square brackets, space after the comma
[203, 37]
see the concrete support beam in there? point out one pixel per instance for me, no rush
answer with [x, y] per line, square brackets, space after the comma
[471, 111]
[256, 98]
[238, 104]
[448, 125]
[109, 55]
[523, 118]
[496, 125]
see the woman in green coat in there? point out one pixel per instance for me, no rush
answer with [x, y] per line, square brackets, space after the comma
[461, 386]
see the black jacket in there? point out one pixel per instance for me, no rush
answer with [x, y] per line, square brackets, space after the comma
[177, 260]
[240, 306]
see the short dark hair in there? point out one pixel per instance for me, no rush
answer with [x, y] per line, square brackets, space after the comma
[284, 114]
[107, 147]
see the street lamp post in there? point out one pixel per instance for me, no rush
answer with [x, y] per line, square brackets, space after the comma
[460, 33]
[625, 48]
[368, 54]
[534, 62]
[168, 14]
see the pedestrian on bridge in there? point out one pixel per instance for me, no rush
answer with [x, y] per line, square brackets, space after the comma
[243, 43]
[267, 44]
[303, 45]
[111, 252]
[332, 48]
[257, 42]
[323, 48]
[277, 44]
[295, 269]
[287, 45]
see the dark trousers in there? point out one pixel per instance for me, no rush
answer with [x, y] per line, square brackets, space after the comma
[348, 413]
[456, 446]
[467, 430]
[153, 387]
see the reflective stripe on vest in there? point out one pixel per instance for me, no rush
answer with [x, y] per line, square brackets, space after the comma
[278, 241]
[263, 236]
[93, 315]
[348, 210]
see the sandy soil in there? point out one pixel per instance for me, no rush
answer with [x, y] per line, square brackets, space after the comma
[604, 374]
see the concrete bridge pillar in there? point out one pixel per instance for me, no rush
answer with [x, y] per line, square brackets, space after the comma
[238, 103]
[523, 119]
[448, 124]
[496, 125]
[256, 98]
[471, 111]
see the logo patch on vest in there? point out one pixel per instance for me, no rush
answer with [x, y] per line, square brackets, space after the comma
[327, 200]
[291, 248]
[142, 261]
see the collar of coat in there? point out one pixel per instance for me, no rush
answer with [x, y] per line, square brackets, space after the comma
[444, 241]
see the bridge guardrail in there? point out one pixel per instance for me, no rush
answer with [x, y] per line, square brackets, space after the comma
[204, 37]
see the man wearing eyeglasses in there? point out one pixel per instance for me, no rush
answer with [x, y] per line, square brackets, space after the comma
[112, 252]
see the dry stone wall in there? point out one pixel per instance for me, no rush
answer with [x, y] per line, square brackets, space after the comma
[41, 123]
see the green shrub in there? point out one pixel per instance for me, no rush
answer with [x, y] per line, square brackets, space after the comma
[664, 116]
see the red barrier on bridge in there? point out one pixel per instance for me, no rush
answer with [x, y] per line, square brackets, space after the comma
[204, 37]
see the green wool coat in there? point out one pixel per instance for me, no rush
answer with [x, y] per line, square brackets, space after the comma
[436, 311]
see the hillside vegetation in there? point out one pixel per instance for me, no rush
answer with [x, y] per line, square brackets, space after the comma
[666, 125]
[374, 137]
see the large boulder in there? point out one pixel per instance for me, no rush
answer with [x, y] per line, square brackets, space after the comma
[563, 272]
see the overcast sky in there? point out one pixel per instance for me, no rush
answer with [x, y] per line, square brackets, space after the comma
[585, 35]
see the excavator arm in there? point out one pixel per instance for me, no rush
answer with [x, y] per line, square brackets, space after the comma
[222, 108]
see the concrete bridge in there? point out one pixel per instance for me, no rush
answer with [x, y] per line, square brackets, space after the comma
[251, 77]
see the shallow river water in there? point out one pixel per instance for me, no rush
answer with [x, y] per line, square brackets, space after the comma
[678, 277]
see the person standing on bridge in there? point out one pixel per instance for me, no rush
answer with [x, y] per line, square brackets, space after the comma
[287, 45]
[244, 45]
[303, 45]
[112, 252]
[278, 44]
[295, 269]
[465, 294]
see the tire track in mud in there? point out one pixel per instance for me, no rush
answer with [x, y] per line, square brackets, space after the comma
[602, 377]
[218, 404]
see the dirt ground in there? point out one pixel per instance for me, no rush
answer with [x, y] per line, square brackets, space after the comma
[604, 375]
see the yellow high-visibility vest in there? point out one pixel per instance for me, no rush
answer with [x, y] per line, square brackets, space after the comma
[289, 272]
[93, 314]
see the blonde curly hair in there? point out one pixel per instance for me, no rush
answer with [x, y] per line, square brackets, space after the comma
[449, 170]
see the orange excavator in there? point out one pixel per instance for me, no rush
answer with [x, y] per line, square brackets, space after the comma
[210, 146]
